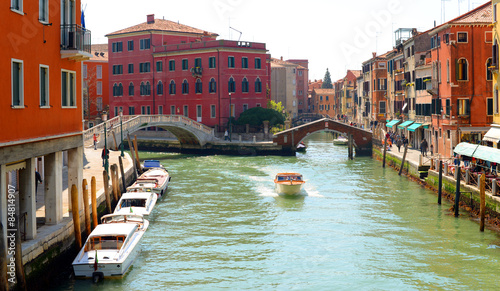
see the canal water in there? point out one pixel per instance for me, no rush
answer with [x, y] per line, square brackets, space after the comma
[355, 226]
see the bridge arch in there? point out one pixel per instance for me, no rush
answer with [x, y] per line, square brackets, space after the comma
[289, 139]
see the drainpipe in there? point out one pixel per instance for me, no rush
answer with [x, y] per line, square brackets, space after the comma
[154, 68]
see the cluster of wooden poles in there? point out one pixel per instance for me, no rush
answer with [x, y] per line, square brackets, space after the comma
[482, 186]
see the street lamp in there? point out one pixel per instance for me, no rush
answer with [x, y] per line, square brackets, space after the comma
[121, 131]
[106, 157]
[230, 115]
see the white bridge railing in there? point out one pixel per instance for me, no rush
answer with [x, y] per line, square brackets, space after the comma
[135, 121]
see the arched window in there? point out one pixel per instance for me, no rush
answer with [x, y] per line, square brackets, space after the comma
[159, 88]
[120, 89]
[212, 86]
[142, 89]
[231, 85]
[244, 85]
[198, 89]
[462, 69]
[148, 88]
[258, 86]
[115, 90]
[489, 74]
[172, 88]
[131, 89]
[185, 87]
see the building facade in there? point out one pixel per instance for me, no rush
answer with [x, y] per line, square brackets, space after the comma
[324, 101]
[284, 85]
[95, 85]
[302, 84]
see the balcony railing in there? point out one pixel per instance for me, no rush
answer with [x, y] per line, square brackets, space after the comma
[75, 41]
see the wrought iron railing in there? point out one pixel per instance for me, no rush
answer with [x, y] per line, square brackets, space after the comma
[75, 37]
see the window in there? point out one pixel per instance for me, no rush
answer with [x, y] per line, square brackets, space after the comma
[231, 85]
[116, 111]
[130, 45]
[244, 85]
[84, 73]
[198, 113]
[145, 44]
[197, 63]
[198, 87]
[495, 12]
[171, 65]
[230, 62]
[245, 107]
[98, 71]
[159, 66]
[185, 87]
[212, 111]
[461, 70]
[98, 88]
[160, 109]
[186, 111]
[244, 62]
[145, 89]
[131, 110]
[300, 74]
[117, 47]
[16, 5]
[44, 86]
[159, 88]
[117, 69]
[99, 103]
[258, 86]
[211, 63]
[68, 89]
[117, 90]
[489, 106]
[462, 37]
[171, 89]
[131, 89]
[495, 101]
[172, 109]
[143, 110]
[448, 107]
[463, 107]
[212, 86]
[326, 98]
[382, 107]
[130, 68]
[258, 64]
[448, 71]
[382, 84]
[185, 65]
[489, 74]
[145, 67]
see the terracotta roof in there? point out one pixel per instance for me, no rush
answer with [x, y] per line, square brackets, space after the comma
[102, 52]
[482, 13]
[162, 25]
[280, 62]
[356, 73]
[324, 91]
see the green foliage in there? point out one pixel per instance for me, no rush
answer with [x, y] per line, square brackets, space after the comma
[327, 81]
[257, 115]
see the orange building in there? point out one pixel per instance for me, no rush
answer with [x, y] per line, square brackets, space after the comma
[41, 110]
[95, 85]
[324, 102]
[461, 82]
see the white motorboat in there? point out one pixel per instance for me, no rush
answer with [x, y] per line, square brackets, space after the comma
[289, 183]
[141, 203]
[341, 140]
[153, 180]
[111, 247]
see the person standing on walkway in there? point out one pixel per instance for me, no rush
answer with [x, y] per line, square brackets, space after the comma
[432, 150]
[95, 142]
[398, 144]
[226, 135]
[423, 147]
[38, 179]
[104, 156]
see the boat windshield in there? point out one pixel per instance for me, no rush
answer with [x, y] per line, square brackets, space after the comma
[109, 242]
[133, 203]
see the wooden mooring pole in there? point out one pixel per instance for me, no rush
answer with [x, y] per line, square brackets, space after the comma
[457, 191]
[122, 173]
[86, 210]
[404, 159]
[137, 160]
[385, 151]
[440, 184]
[93, 197]
[114, 138]
[482, 207]
[131, 148]
[76, 215]
[114, 185]
[106, 190]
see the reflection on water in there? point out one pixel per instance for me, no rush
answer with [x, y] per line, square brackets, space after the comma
[355, 226]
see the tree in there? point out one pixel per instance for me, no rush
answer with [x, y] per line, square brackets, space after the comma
[257, 115]
[271, 104]
[327, 81]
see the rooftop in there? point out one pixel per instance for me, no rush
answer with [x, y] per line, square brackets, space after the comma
[99, 52]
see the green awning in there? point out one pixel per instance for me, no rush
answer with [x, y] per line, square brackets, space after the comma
[392, 123]
[478, 152]
[414, 126]
[405, 124]
[426, 125]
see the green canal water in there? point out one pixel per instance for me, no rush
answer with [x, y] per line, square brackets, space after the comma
[356, 226]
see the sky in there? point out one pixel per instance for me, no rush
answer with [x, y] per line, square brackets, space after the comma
[338, 35]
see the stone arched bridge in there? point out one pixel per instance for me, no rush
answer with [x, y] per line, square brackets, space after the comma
[289, 139]
[187, 131]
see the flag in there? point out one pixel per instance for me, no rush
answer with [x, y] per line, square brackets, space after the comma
[83, 19]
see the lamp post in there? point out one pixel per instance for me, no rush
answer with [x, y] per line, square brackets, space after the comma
[121, 132]
[106, 161]
[230, 115]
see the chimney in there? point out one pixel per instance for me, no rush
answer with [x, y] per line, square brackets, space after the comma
[151, 18]
[281, 57]
[374, 54]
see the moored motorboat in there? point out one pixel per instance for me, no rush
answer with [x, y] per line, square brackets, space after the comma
[111, 247]
[301, 147]
[154, 180]
[341, 140]
[289, 183]
[141, 203]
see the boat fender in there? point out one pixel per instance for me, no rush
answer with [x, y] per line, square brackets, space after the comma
[97, 276]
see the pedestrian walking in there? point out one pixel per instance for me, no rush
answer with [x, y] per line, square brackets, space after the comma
[95, 142]
[432, 150]
[423, 147]
[398, 144]
[38, 180]
[104, 155]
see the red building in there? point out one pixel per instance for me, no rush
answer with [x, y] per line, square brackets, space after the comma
[461, 82]
[375, 87]
[163, 67]
[302, 84]
[95, 85]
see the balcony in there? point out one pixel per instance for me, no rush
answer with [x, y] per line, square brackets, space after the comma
[197, 72]
[75, 42]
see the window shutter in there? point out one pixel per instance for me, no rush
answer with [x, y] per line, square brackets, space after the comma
[458, 107]
[467, 107]
[457, 70]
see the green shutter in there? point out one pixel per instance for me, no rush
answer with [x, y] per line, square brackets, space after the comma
[457, 71]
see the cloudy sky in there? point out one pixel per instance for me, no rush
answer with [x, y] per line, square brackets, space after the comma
[332, 34]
